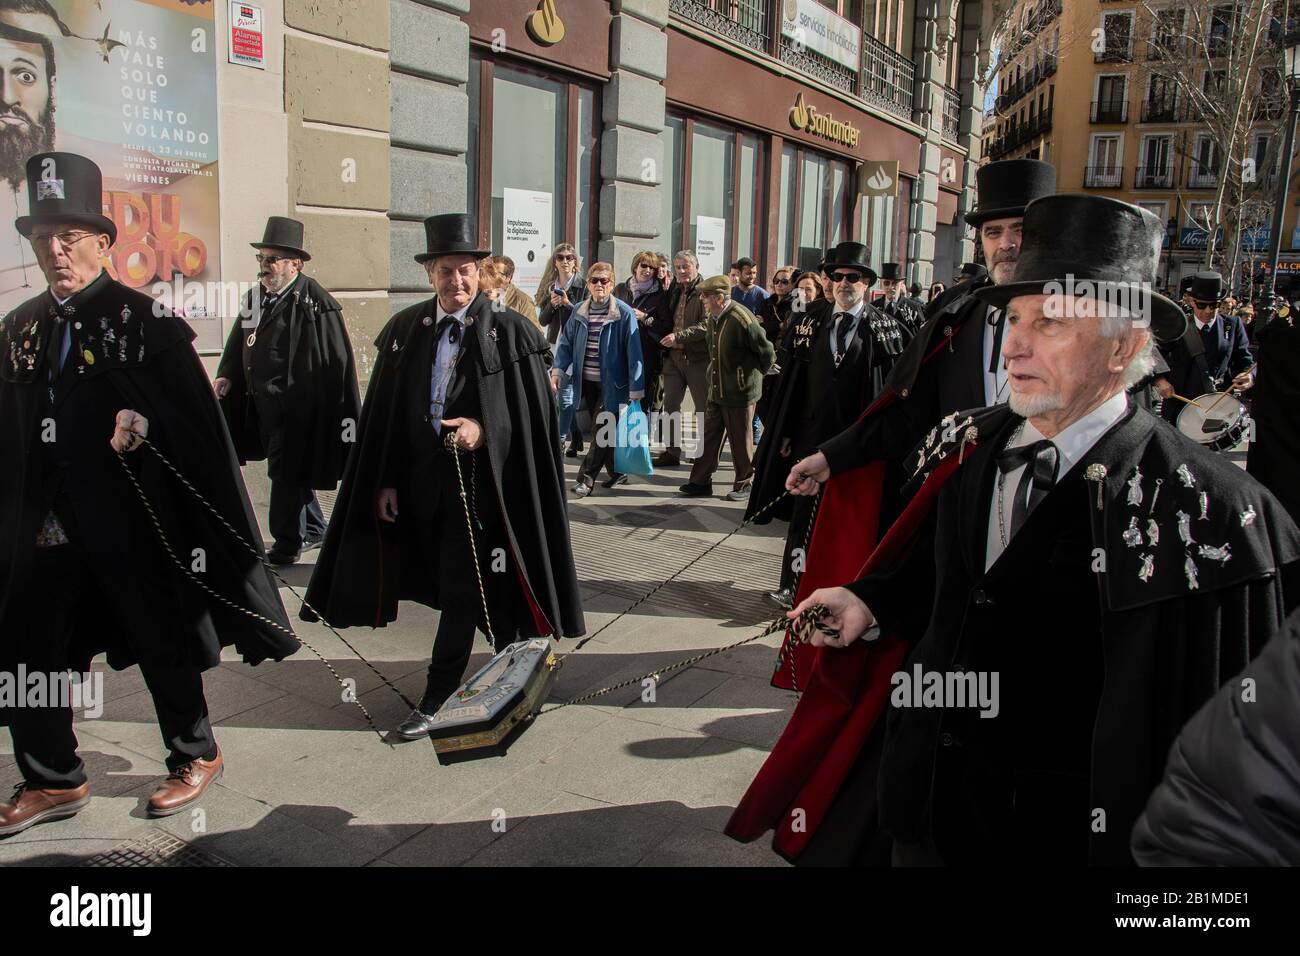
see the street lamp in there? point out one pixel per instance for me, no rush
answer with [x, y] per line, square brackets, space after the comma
[1171, 233]
[1291, 60]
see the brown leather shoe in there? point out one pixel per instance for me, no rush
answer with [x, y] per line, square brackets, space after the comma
[184, 786]
[31, 805]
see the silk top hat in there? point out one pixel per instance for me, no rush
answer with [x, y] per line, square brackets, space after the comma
[1206, 287]
[1006, 188]
[451, 234]
[850, 255]
[283, 233]
[974, 270]
[1096, 247]
[889, 270]
[64, 188]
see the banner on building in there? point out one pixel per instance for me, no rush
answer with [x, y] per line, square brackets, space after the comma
[136, 92]
[527, 234]
[808, 24]
[711, 245]
[878, 179]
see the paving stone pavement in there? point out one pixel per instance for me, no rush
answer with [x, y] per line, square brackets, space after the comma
[617, 781]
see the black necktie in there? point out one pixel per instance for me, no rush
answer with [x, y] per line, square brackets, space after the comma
[454, 335]
[843, 326]
[1040, 460]
[995, 354]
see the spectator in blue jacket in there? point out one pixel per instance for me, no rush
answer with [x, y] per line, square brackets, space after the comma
[599, 351]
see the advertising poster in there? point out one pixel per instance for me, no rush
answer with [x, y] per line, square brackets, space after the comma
[527, 235]
[710, 245]
[132, 84]
[810, 24]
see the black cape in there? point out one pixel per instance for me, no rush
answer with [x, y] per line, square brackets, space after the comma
[813, 400]
[366, 566]
[321, 396]
[127, 356]
[1165, 646]
[1274, 457]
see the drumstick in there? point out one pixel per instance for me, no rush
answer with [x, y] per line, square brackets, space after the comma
[1225, 394]
[1189, 401]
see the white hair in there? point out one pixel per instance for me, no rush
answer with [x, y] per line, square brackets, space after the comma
[688, 256]
[1117, 322]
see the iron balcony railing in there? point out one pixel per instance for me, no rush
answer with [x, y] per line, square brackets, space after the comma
[1103, 177]
[951, 113]
[888, 78]
[1161, 111]
[1200, 178]
[744, 21]
[1110, 111]
[1154, 177]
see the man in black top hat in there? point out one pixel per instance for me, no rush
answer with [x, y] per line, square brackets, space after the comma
[1095, 574]
[1212, 355]
[909, 311]
[82, 570]
[454, 368]
[837, 357]
[288, 387]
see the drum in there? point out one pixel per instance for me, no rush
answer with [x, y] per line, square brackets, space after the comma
[1216, 420]
[491, 709]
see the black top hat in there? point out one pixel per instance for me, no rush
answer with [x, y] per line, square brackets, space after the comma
[1092, 246]
[283, 233]
[850, 255]
[449, 234]
[1207, 287]
[1006, 188]
[974, 270]
[889, 270]
[64, 187]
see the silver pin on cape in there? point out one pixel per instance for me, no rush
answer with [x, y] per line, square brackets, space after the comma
[1189, 569]
[1185, 475]
[427, 320]
[1205, 506]
[1133, 534]
[1153, 532]
[1185, 527]
[1135, 488]
[1155, 494]
[1097, 472]
[1223, 555]
[1148, 567]
[1248, 516]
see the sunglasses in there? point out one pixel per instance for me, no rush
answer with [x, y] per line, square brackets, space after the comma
[780, 282]
[853, 278]
[1204, 305]
[268, 260]
[600, 280]
[564, 257]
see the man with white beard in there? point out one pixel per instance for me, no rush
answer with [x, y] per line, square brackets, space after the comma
[1111, 572]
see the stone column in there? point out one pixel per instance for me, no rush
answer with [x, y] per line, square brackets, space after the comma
[336, 92]
[430, 127]
[973, 57]
[632, 164]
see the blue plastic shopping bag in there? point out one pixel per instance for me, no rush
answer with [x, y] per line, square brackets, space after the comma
[632, 448]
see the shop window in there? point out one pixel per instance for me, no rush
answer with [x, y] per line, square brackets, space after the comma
[712, 188]
[670, 208]
[785, 217]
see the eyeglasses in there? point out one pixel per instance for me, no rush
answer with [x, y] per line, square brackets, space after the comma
[268, 260]
[852, 278]
[600, 280]
[565, 257]
[66, 239]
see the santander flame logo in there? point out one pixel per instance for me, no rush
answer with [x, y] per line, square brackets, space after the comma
[879, 180]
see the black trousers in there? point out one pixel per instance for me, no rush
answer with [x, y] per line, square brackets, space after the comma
[447, 548]
[598, 455]
[295, 513]
[801, 518]
[64, 603]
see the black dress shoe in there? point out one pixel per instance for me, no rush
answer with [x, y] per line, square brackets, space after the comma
[573, 451]
[614, 480]
[282, 557]
[667, 461]
[691, 490]
[311, 544]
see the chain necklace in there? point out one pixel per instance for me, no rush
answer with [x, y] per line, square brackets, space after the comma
[1002, 480]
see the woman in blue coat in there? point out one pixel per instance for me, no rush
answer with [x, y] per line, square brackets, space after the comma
[599, 351]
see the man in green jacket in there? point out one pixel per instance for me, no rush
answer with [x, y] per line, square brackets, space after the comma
[739, 355]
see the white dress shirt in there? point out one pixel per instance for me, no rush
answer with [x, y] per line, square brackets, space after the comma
[1074, 441]
[443, 363]
[995, 382]
[856, 314]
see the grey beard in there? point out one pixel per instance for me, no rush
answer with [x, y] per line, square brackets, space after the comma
[1031, 406]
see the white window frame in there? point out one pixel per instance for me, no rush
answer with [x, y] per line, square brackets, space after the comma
[1096, 88]
[1164, 208]
[1131, 13]
[1146, 98]
[1196, 154]
[1119, 156]
[1142, 153]
[1182, 21]
[1191, 220]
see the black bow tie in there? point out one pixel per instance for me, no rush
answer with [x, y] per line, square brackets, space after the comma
[1041, 459]
[454, 335]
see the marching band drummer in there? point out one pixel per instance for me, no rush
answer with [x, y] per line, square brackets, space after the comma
[81, 568]
[1213, 354]
[453, 366]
